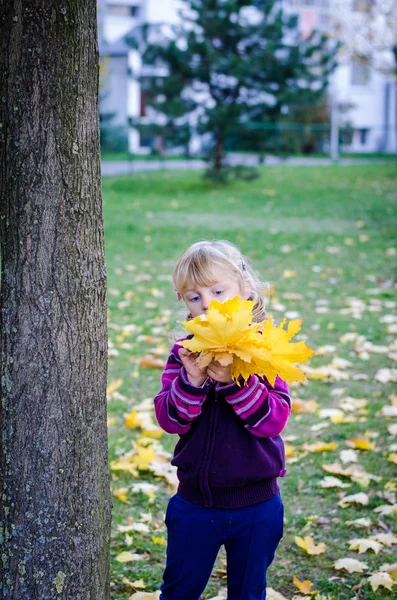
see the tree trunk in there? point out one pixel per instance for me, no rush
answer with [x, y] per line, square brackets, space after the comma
[54, 485]
[219, 153]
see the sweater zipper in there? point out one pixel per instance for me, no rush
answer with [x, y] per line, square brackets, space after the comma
[205, 487]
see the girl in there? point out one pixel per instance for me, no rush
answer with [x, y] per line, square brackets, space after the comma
[229, 452]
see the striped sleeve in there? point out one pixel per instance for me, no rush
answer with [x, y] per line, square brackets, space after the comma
[264, 409]
[179, 402]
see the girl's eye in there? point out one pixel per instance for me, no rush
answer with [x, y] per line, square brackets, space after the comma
[218, 292]
[194, 299]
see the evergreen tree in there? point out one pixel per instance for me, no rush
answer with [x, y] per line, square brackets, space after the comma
[231, 63]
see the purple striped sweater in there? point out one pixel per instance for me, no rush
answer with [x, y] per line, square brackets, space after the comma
[229, 453]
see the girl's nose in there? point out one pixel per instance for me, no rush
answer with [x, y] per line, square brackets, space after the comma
[205, 302]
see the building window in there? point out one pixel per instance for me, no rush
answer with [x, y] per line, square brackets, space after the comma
[363, 133]
[360, 72]
[362, 5]
[119, 10]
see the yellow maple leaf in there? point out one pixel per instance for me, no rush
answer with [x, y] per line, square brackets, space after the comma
[319, 446]
[359, 498]
[381, 579]
[133, 420]
[124, 557]
[361, 443]
[145, 596]
[304, 586]
[143, 457]
[391, 570]
[113, 386]
[158, 540]
[228, 334]
[308, 544]
[363, 545]
[121, 494]
[351, 565]
[303, 406]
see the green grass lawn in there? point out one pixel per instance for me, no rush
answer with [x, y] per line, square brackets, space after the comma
[325, 239]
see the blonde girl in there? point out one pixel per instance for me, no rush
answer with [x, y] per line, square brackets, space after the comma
[229, 453]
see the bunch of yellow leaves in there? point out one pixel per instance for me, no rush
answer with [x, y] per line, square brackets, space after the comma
[227, 334]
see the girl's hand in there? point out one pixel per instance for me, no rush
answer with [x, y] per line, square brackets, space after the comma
[195, 375]
[219, 373]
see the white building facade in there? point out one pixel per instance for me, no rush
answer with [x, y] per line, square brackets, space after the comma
[364, 92]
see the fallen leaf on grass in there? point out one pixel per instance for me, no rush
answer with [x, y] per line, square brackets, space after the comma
[358, 523]
[304, 586]
[387, 539]
[152, 362]
[139, 583]
[125, 557]
[271, 594]
[391, 569]
[319, 446]
[332, 482]
[113, 386]
[363, 545]
[361, 443]
[386, 375]
[160, 541]
[141, 527]
[121, 494]
[360, 498]
[389, 411]
[303, 406]
[145, 596]
[351, 565]
[308, 544]
[393, 457]
[386, 509]
[381, 579]
[134, 419]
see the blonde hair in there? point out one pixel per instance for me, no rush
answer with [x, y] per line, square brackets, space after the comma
[198, 263]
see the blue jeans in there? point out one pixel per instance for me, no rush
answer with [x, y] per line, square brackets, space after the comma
[196, 533]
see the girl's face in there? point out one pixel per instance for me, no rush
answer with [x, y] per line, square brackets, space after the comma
[226, 287]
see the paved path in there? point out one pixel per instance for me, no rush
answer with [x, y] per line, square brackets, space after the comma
[124, 167]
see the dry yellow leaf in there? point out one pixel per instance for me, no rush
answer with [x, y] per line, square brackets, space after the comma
[381, 579]
[351, 565]
[138, 583]
[332, 482]
[152, 362]
[304, 586]
[303, 406]
[386, 510]
[113, 386]
[134, 419]
[360, 498]
[153, 432]
[228, 334]
[145, 596]
[272, 594]
[308, 544]
[363, 545]
[361, 443]
[121, 494]
[158, 540]
[391, 569]
[319, 446]
[387, 539]
[393, 457]
[125, 557]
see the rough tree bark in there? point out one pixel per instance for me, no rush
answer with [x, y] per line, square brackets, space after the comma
[54, 486]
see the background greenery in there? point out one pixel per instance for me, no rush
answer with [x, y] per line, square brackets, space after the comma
[321, 237]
